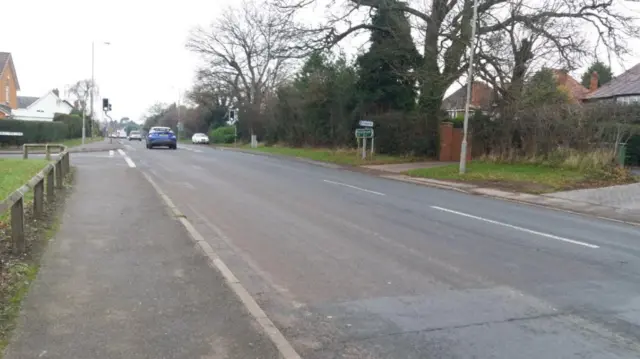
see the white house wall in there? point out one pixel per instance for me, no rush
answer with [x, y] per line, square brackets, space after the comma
[43, 109]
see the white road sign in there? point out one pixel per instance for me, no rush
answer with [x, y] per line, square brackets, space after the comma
[366, 123]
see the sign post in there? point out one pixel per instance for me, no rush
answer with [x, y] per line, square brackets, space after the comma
[364, 134]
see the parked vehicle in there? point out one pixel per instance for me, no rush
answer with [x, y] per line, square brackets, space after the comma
[200, 138]
[161, 137]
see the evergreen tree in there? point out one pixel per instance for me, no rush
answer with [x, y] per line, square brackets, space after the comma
[604, 74]
[385, 71]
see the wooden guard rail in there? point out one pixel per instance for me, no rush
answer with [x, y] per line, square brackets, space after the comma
[43, 185]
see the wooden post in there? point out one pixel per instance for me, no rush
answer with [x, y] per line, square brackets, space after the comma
[67, 163]
[50, 194]
[47, 151]
[17, 227]
[38, 199]
[25, 152]
[59, 176]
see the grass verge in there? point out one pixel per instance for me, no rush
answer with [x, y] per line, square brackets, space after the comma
[17, 272]
[16, 172]
[528, 178]
[350, 157]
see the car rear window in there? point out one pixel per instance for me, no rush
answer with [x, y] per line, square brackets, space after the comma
[160, 129]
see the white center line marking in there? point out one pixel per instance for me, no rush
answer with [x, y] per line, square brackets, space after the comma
[567, 240]
[126, 158]
[354, 187]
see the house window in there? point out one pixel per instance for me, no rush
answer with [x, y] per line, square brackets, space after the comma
[6, 94]
[628, 100]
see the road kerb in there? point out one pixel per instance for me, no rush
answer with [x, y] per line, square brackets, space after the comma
[253, 308]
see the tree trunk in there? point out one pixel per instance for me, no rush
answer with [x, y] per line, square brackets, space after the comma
[430, 106]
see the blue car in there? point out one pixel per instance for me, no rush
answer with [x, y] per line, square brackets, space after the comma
[161, 137]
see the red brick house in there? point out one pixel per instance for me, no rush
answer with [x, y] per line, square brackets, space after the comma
[9, 85]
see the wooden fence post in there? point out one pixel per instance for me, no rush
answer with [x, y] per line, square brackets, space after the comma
[47, 151]
[67, 163]
[17, 227]
[25, 152]
[50, 194]
[38, 199]
[59, 175]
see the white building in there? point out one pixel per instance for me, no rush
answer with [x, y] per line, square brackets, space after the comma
[40, 109]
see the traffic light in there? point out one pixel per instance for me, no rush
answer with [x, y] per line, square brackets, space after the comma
[105, 104]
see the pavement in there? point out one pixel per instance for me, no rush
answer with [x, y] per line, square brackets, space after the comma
[349, 265]
[122, 279]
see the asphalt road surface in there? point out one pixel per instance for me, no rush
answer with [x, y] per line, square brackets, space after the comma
[354, 266]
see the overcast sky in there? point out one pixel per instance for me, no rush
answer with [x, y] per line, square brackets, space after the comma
[146, 61]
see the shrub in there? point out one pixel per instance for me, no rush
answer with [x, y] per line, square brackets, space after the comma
[224, 134]
[73, 122]
[33, 132]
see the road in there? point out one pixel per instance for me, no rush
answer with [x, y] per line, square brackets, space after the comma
[355, 266]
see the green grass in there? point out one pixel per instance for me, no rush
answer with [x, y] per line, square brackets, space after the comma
[349, 157]
[16, 172]
[528, 177]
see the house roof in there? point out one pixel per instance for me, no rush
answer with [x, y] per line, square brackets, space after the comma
[575, 88]
[628, 83]
[26, 101]
[6, 61]
[5, 109]
[482, 96]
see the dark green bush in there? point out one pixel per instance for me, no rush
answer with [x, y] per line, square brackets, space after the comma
[33, 132]
[224, 134]
[73, 122]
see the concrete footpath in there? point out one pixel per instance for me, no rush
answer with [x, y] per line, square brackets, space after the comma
[122, 279]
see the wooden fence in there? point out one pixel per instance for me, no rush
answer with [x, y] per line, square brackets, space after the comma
[43, 185]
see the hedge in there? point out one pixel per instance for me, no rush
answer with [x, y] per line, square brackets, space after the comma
[224, 134]
[33, 132]
[74, 124]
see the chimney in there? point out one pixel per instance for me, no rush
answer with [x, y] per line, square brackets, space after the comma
[562, 77]
[57, 92]
[593, 84]
[474, 94]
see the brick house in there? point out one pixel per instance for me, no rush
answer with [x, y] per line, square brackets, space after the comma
[624, 89]
[9, 85]
[482, 96]
[575, 91]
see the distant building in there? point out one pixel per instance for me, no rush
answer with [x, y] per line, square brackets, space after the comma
[482, 96]
[41, 108]
[9, 85]
[624, 89]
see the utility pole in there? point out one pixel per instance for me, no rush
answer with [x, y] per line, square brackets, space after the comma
[92, 88]
[463, 147]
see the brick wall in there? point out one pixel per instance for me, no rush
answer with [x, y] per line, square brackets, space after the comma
[450, 141]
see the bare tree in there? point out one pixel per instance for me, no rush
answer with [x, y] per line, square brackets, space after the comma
[80, 92]
[443, 30]
[247, 51]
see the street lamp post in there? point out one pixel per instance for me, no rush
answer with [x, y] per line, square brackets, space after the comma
[93, 87]
[463, 146]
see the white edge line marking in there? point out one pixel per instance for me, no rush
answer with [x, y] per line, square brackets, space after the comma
[354, 187]
[126, 158]
[284, 347]
[517, 228]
